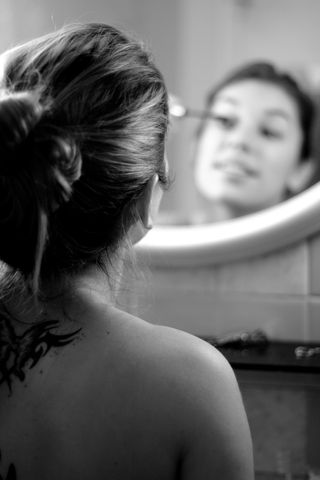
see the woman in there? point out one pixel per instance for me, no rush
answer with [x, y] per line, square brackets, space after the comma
[88, 391]
[254, 148]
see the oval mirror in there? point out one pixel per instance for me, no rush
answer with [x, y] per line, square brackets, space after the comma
[204, 52]
[255, 234]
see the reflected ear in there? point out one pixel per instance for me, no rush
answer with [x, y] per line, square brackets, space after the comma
[147, 208]
[301, 177]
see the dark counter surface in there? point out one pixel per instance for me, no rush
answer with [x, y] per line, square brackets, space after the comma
[273, 356]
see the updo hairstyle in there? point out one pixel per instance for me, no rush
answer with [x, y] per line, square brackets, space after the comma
[83, 120]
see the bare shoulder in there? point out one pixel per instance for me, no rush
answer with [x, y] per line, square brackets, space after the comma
[164, 356]
[188, 348]
[210, 410]
[195, 367]
[189, 357]
[178, 385]
[185, 358]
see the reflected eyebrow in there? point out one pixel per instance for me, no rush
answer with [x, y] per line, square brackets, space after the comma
[278, 112]
[270, 112]
[225, 98]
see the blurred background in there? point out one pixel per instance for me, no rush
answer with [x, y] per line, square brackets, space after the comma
[194, 44]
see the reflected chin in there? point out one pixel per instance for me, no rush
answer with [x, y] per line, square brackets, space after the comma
[227, 199]
[218, 185]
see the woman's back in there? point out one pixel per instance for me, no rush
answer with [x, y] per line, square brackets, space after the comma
[87, 409]
[88, 391]
[120, 401]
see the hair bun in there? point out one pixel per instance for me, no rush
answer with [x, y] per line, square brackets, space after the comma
[50, 158]
[65, 168]
[19, 113]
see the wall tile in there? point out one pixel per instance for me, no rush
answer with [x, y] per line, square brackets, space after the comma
[207, 313]
[314, 265]
[282, 272]
[313, 320]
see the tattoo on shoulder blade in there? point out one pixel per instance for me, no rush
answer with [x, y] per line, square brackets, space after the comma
[11, 474]
[19, 353]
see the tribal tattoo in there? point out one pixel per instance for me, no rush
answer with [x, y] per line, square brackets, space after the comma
[19, 353]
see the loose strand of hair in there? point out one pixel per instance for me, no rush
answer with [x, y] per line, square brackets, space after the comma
[40, 247]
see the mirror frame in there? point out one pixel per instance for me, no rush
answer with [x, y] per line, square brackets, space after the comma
[260, 233]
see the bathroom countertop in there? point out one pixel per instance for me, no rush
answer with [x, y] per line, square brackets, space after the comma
[274, 356]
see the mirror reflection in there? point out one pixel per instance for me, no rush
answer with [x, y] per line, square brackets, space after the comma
[253, 146]
[254, 150]
[209, 40]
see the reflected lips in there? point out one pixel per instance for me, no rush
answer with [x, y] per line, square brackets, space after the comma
[235, 168]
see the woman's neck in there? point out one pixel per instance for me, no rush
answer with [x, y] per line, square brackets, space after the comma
[57, 295]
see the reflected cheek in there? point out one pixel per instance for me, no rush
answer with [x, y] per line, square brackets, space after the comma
[206, 152]
[281, 162]
[214, 184]
[203, 167]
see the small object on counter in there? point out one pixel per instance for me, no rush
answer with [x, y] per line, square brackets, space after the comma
[303, 351]
[240, 340]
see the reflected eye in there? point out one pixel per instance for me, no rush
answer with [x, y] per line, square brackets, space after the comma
[271, 133]
[224, 121]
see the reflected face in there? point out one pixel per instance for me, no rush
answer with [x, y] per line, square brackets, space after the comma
[249, 152]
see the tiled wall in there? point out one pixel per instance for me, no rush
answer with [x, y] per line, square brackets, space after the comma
[278, 292]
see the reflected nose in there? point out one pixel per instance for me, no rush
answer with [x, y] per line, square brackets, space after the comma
[242, 138]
